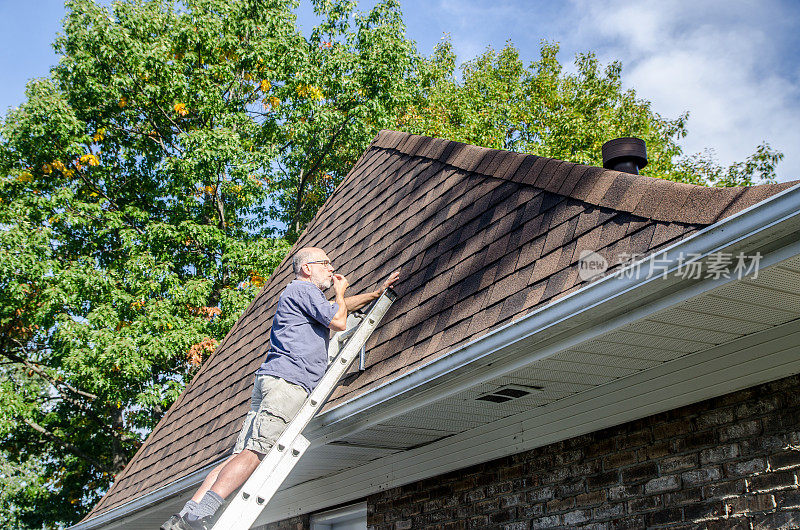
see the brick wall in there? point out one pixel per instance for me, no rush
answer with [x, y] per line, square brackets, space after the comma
[301, 522]
[729, 462]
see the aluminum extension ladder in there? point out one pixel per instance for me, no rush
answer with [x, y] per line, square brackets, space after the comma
[344, 348]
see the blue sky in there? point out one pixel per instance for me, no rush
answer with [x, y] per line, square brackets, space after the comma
[732, 64]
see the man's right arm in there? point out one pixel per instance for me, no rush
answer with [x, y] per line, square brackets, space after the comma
[339, 320]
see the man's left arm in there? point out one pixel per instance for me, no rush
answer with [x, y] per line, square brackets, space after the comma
[358, 301]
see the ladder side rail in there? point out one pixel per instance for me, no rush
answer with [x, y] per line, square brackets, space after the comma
[243, 514]
[335, 344]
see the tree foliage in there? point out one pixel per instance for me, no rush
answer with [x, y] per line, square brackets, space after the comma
[140, 185]
[498, 102]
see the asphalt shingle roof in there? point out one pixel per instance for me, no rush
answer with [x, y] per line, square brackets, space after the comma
[481, 236]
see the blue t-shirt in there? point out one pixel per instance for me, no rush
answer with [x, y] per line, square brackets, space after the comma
[298, 349]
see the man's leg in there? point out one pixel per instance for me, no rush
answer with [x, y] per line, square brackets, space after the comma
[211, 502]
[235, 472]
[276, 402]
[229, 477]
[209, 480]
[193, 503]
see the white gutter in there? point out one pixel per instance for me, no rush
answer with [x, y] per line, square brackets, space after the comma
[773, 223]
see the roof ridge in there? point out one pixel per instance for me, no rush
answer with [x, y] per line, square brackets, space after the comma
[649, 197]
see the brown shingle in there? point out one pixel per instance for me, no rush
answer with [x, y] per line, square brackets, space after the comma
[559, 177]
[754, 195]
[548, 172]
[523, 169]
[509, 164]
[703, 205]
[576, 173]
[538, 167]
[623, 193]
[483, 236]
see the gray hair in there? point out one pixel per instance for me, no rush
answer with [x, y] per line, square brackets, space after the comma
[303, 256]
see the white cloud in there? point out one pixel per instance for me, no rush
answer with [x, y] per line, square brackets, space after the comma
[720, 61]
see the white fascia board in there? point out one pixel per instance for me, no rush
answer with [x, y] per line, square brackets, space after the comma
[770, 226]
[593, 310]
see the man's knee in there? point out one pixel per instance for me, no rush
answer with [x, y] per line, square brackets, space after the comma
[251, 455]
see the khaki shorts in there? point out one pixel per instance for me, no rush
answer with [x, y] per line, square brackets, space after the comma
[274, 403]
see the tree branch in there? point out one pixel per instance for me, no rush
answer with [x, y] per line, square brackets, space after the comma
[314, 167]
[36, 368]
[99, 191]
[67, 445]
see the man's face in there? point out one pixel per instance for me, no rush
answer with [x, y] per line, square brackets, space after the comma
[321, 271]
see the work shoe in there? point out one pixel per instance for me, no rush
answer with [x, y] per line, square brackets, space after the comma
[191, 522]
[171, 523]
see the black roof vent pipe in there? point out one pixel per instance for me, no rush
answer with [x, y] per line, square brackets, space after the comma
[628, 155]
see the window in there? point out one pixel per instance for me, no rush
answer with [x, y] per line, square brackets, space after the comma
[353, 517]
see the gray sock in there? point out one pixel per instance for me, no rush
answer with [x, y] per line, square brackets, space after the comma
[188, 507]
[208, 505]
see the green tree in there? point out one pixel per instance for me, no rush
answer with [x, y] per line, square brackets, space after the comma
[139, 188]
[500, 103]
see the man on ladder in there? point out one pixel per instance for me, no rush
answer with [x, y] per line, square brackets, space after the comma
[296, 361]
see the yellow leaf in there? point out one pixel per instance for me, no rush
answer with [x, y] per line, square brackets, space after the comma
[90, 159]
[123, 102]
[180, 108]
[265, 85]
[309, 91]
[25, 176]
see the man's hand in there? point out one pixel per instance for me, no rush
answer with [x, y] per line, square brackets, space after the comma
[339, 320]
[393, 277]
[340, 283]
[360, 300]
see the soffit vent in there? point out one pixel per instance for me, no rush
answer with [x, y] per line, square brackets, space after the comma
[508, 393]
